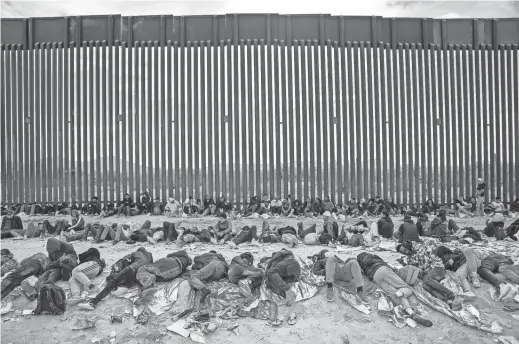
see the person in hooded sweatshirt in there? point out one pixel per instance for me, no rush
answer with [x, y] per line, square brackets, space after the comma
[398, 291]
[440, 226]
[90, 265]
[207, 267]
[242, 267]
[385, 225]
[407, 231]
[495, 225]
[164, 269]
[123, 274]
[281, 270]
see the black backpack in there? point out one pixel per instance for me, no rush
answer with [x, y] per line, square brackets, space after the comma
[325, 238]
[51, 300]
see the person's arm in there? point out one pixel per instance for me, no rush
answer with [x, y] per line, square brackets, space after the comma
[319, 268]
[419, 227]
[79, 223]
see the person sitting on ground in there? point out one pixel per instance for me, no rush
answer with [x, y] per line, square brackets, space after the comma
[49, 209]
[123, 273]
[170, 232]
[441, 227]
[94, 230]
[514, 206]
[480, 197]
[495, 227]
[242, 267]
[108, 209]
[264, 205]
[162, 270]
[423, 225]
[223, 206]
[12, 226]
[334, 269]
[76, 230]
[145, 203]
[172, 208]
[275, 206]
[247, 234]
[473, 205]
[498, 269]
[206, 268]
[223, 229]
[268, 235]
[93, 207]
[465, 263]
[146, 233]
[407, 231]
[497, 205]
[398, 291]
[385, 225]
[125, 206]
[512, 230]
[90, 265]
[462, 206]
[429, 207]
[281, 270]
[298, 208]
[157, 208]
[328, 205]
[122, 233]
[317, 207]
[8, 262]
[209, 206]
[286, 208]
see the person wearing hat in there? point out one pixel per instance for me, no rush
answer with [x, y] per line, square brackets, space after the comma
[334, 269]
[242, 267]
[108, 209]
[494, 226]
[286, 208]
[11, 226]
[172, 208]
[407, 231]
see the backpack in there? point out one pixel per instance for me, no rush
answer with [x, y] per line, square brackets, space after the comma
[51, 300]
[409, 274]
[325, 238]
[356, 240]
[311, 239]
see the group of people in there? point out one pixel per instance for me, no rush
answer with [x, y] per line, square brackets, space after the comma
[275, 206]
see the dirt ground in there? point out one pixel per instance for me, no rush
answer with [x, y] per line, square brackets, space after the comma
[318, 321]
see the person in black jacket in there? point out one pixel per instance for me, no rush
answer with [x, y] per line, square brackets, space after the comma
[108, 209]
[123, 274]
[125, 206]
[93, 207]
[282, 269]
[207, 267]
[11, 225]
[385, 225]
[407, 231]
[398, 291]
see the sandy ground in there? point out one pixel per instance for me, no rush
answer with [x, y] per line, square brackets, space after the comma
[318, 320]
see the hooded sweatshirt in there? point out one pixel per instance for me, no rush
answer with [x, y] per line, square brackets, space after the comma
[139, 258]
[386, 227]
[204, 259]
[408, 231]
[370, 263]
[62, 256]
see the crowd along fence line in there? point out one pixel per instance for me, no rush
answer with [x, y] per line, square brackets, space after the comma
[251, 104]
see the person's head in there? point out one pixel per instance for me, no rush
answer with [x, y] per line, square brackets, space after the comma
[327, 198]
[460, 198]
[326, 215]
[442, 251]
[405, 248]
[407, 218]
[498, 199]
[385, 213]
[423, 218]
[248, 257]
[222, 198]
[190, 197]
[472, 199]
[126, 195]
[390, 199]
[480, 180]
[171, 199]
[223, 216]
[74, 214]
[442, 214]
[10, 214]
[377, 198]
[94, 198]
[430, 202]
[308, 199]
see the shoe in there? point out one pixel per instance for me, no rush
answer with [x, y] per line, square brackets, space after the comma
[422, 321]
[363, 297]
[93, 288]
[468, 295]
[115, 242]
[86, 306]
[330, 294]
[475, 280]
[98, 241]
[74, 300]
[203, 294]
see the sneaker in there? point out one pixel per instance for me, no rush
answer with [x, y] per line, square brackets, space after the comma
[86, 306]
[422, 321]
[475, 280]
[330, 294]
[74, 300]
[93, 288]
[203, 294]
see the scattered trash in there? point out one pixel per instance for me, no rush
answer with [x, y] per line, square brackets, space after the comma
[6, 308]
[84, 323]
[116, 319]
[507, 340]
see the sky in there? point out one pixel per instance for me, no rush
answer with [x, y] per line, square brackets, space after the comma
[435, 9]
